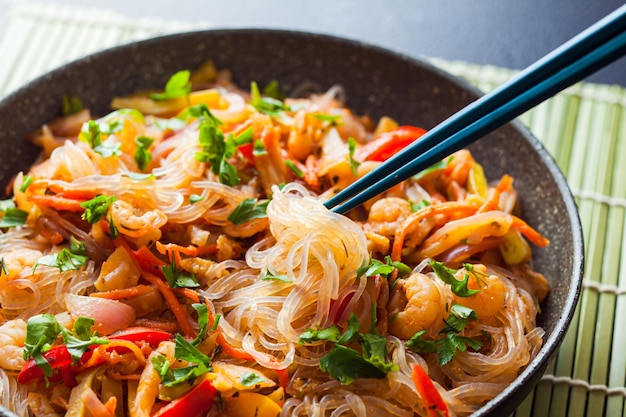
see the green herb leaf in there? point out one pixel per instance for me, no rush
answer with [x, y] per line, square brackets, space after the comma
[266, 105]
[177, 86]
[376, 267]
[64, 260]
[71, 105]
[332, 119]
[3, 268]
[418, 206]
[250, 379]
[13, 217]
[41, 331]
[331, 334]
[188, 352]
[458, 287]
[273, 90]
[177, 278]
[354, 164]
[91, 133]
[346, 365]
[244, 137]
[433, 168]
[259, 148]
[142, 153]
[274, 277]
[458, 317]
[97, 207]
[194, 198]
[248, 209]
[216, 150]
[203, 322]
[174, 376]
[421, 345]
[290, 164]
[28, 180]
[216, 322]
[81, 338]
[112, 228]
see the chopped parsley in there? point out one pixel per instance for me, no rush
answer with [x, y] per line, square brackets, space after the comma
[418, 206]
[273, 90]
[458, 287]
[346, 364]
[332, 119]
[376, 267]
[177, 278]
[97, 207]
[43, 330]
[267, 105]
[142, 154]
[183, 350]
[259, 148]
[248, 209]
[177, 86]
[66, 260]
[216, 149]
[203, 322]
[451, 342]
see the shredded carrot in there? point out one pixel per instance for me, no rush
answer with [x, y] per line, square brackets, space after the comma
[165, 290]
[100, 353]
[493, 198]
[56, 202]
[531, 234]
[231, 350]
[135, 291]
[453, 209]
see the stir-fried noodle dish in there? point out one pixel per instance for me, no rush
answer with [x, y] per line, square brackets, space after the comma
[175, 258]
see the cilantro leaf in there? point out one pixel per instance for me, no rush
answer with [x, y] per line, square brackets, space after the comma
[376, 267]
[354, 164]
[97, 207]
[142, 153]
[6, 204]
[458, 287]
[273, 90]
[435, 167]
[177, 278]
[331, 334]
[259, 148]
[203, 322]
[91, 133]
[332, 119]
[174, 376]
[248, 209]
[216, 149]
[421, 345]
[266, 105]
[41, 331]
[64, 260]
[458, 317]
[177, 86]
[346, 365]
[81, 338]
[186, 351]
[418, 206]
[250, 379]
[449, 345]
[13, 217]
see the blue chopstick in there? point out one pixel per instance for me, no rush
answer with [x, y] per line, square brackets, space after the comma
[591, 50]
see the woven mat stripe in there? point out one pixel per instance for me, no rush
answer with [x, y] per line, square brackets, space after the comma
[41, 36]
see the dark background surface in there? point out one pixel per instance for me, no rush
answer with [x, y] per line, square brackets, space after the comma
[507, 33]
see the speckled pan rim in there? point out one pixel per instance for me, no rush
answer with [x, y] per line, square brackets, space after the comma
[509, 398]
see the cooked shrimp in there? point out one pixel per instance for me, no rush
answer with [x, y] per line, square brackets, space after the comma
[134, 221]
[490, 300]
[415, 304]
[12, 337]
[15, 261]
[386, 215]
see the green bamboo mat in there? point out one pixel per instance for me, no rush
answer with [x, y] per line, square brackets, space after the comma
[584, 128]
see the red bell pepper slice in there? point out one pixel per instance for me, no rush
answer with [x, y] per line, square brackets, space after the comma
[141, 334]
[385, 145]
[430, 396]
[199, 399]
[59, 359]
